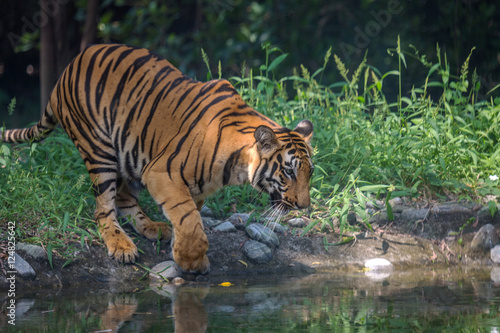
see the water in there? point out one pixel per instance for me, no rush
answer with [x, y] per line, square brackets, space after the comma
[404, 301]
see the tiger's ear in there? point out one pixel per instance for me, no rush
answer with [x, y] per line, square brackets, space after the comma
[267, 142]
[305, 130]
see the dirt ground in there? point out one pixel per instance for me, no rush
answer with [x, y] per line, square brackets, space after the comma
[439, 240]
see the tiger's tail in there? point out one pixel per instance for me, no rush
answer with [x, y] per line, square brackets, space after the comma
[35, 133]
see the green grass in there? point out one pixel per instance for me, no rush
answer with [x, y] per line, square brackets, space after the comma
[438, 141]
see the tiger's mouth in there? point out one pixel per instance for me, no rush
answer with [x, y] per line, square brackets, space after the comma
[278, 203]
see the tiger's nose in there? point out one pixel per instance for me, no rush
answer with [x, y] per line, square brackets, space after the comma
[304, 203]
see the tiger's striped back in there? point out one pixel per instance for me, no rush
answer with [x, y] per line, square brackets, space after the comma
[136, 119]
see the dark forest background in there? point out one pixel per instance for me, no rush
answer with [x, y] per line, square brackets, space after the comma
[39, 37]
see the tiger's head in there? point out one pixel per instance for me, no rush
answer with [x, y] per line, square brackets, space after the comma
[284, 166]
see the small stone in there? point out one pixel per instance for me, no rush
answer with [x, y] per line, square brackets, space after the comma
[396, 201]
[297, 223]
[37, 252]
[495, 275]
[239, 218]
[262, 234]
[205, 211]
[379, 264]
[225, 227]
[485, 238]
[211, 223]
[495, 254]
[257, 252]
[178, 281]
[412, 215]
[165, 270]
[276, 227]
[22, 267]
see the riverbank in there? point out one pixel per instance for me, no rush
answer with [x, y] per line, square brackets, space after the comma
[433, 236]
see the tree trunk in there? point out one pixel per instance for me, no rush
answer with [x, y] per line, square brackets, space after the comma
[58, 33]
[47, 59]
[91, 20]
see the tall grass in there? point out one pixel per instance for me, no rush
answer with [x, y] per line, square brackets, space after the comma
[438, 140]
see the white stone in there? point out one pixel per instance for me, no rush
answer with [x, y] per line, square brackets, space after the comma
[495, 254]
[378, 264]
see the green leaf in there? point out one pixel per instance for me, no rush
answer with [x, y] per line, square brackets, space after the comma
[276, 62]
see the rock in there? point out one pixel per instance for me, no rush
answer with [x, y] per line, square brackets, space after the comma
[276, 227]
[225, 227]
[452, 208]
[379, 264]
[485, 238]
[412, 215]
[205, 211]
[22, 267]
[211, 223]
[262, 234]
[165, 270]
[495, 254]
[495, 274]
[297, 223]
[396, 201]
[239, 218]
[257, 252]
[37, 252]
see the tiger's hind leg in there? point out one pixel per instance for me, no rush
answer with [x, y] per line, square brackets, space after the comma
[118, 243]
[127, 204]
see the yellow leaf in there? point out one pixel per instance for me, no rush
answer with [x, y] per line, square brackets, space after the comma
[316, 263]
[243, 263]
[226, 284]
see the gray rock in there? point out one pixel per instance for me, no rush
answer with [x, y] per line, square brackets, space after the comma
[495, 254]
[205, 211]
[22, 267]
[225, 227]
[396, 201]
[276, 227]
[211, 223]
[239, 218]
[297, 223]
[165, 270]
[485, 238]
[451, 208]
[412, 215]
[257, 252]
[262, 234]
[37, 252]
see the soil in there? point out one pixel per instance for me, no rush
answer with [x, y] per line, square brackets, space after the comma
[442, 238]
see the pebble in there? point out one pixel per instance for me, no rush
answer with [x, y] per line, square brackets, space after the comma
[22, 267]
[239, 218]
[211, 223]
[276, 227]
[485, 238]
[297, 223]
[205, 211]
[37, 252]
[495, 274]
[411, 215]
[225, 227]
[257, 252]
[166, 269]
[262, 234]
[495, 254]
[379, 264]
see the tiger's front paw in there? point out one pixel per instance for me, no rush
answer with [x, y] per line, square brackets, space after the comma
[191, 255]
[121, 247]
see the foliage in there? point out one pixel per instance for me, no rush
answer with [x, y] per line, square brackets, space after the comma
[438, 141]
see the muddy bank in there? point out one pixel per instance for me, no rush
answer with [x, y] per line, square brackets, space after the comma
[435, 237]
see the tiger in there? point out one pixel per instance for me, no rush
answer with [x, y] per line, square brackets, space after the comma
[138, 122]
